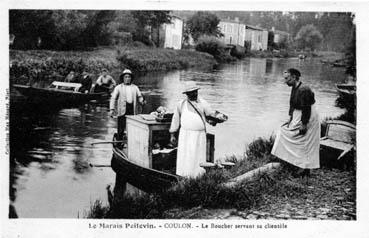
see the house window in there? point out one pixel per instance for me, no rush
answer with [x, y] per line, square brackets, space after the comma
[259, 38]
[229, 28]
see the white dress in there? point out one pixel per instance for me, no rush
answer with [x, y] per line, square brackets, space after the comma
[299, 150]
[191, 144]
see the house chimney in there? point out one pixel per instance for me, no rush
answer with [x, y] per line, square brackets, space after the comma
[273, 29]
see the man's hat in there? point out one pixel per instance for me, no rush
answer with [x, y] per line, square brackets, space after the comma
[190, 86]
[127, 71]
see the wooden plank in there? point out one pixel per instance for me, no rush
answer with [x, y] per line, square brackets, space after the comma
[139, 119]
[268, 168]
[138, 143]
[339, 122]
[335, 144]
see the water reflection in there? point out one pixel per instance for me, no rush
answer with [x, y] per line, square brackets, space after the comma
[51, 151]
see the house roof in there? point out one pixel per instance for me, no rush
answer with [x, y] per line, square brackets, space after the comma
[175, 16]
[231, 21]
[255, 28]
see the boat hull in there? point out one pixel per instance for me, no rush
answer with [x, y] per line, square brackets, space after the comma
[56, 97]
[146, 179]
[346, 89]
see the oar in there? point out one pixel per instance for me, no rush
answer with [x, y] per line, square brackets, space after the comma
[108, 142]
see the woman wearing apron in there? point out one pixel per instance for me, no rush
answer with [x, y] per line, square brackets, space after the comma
[297, 141]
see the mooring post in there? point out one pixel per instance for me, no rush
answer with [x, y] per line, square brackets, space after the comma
[120, 186]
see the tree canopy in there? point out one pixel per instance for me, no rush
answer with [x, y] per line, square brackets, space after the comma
[59, 29]
[203, 23]
[308, 37]
[148, 22]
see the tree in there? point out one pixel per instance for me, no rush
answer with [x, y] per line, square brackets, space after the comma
[308, 37]
[148, 22]
[29, 26]
[69, 26]
[97, 28]
[203, 23]
[59, 29]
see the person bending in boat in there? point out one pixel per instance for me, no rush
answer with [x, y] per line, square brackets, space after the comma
[189, 119]
[124, 100]
[297, 141]
[105, 83]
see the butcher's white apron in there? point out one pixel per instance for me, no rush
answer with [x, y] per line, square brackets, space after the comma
[191, 144]
[299, 150]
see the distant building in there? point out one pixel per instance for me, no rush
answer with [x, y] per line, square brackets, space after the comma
[280, 36]
[233, 31]
[257, 37]
[173, 33]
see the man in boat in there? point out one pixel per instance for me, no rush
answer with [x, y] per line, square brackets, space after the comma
[297, 141]
[189, 119]
[124, 100]
[105, 83]
[86, 82]
[70, 77]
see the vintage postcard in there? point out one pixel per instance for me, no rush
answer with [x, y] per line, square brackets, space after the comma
[184, 118]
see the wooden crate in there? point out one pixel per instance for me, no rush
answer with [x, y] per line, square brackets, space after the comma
[144, 134]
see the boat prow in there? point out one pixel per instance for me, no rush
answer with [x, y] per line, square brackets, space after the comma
[346, 89]
[146, 179]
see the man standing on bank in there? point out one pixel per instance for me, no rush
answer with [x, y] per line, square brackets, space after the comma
[297, 141]
[189, 119]
[124, 100]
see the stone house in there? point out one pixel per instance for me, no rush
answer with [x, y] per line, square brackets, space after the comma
[233, 31]
[173, 33]
[257, 37]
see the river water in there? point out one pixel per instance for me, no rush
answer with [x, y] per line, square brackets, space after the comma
[51, 151]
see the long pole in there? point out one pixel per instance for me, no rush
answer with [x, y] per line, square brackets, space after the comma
[108, 142]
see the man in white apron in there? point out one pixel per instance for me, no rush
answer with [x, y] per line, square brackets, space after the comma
[297, 141]
[189, 119]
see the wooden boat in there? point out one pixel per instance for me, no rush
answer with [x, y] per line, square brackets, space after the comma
[346, 89]
[340, 137]
[146, 179]
[57, 93]
[140, 163]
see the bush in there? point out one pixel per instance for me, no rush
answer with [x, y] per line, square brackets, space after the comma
[260, 148]
[213, 46]
[26, 66]
[238, 52]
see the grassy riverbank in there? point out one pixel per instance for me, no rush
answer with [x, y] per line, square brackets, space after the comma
[41, 65]
[272, 54]
[157, 59]
[327, 194]
[325, 56]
